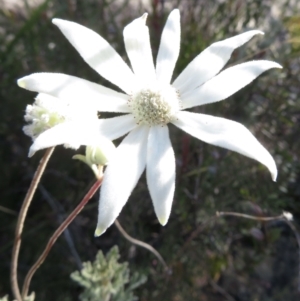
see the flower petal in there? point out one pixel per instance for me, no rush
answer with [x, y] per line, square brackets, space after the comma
[116, 127]
[169, 48]
[228, 134]
[98, 53]
[71, 133]
[161, 171]
[226, 83]
[83, 133]
[210, 61]
[137, 44]
[121, 176]
[74, 89]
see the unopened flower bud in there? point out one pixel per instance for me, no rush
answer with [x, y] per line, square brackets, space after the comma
[48, 111]
[96, 156]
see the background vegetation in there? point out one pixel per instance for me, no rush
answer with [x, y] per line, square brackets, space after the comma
[211, 258]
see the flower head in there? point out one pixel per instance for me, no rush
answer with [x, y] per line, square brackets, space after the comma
[48, 111]
[150, 103]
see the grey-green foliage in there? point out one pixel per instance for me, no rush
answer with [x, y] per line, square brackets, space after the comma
[107, 280]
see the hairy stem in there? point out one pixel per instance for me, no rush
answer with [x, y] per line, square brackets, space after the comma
[20, 223]
[57, 233]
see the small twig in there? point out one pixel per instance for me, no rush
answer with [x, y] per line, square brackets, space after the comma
[141, 244]
[56, 234]
[8, 211]
[284, 216]
[20, 223]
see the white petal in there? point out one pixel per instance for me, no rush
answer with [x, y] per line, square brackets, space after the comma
[210, 61]
[72, 133]
[226, 133]
[75, 89]
[137, 44]
[84, 133]
[121, 176]
[169, 48]
[98, 53]
[116, 127]
[161, 171]
[226, 83]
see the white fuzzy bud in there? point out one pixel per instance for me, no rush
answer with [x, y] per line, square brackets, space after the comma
[48, 111]
[96, 156]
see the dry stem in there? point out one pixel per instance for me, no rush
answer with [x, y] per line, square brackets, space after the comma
[141, 244]
[20, 224]
[56, 234]
[283, 216]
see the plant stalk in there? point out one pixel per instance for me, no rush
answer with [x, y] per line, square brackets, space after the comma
[20, 223]
[57, 233]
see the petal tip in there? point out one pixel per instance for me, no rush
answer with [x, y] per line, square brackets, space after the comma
[99, 231]
[59, 22]
[274, 175]
[55, 21]
[21, 83]
[273, 170]
[175, 11]
[276, 65]
[163, 220]
[144, 17]
[31, 152]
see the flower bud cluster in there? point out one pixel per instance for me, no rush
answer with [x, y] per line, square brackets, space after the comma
[48, 111]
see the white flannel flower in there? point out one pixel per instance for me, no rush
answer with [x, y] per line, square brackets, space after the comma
[48, 111]
[150, 102]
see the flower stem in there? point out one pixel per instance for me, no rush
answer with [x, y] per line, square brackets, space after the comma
[142, 244]
[257, 218]
[20, 223]
[57, 233]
